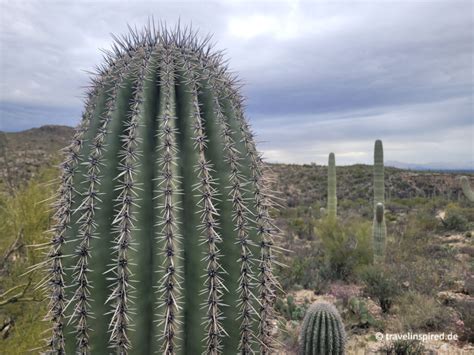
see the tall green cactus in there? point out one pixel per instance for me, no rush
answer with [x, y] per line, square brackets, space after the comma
[332, 198]
[322, 332]
[163, 241]
[379, 230]
[379, 182]
[466, 188]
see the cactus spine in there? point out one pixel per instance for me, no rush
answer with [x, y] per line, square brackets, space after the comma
[162, 190]
[379, 230]
[332, 197]
[322, 332]
[466, 188]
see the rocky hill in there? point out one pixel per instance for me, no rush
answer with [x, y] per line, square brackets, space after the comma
[22, 154]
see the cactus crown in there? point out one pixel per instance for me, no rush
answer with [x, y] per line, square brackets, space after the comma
[332, 197]
[322, 332]
[162, 190]
[466, 188]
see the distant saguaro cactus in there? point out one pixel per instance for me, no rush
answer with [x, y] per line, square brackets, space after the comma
[379, 230]
[332, 186]
[163, 241]
[379, 178]
[379, 233]
[466, 188]
[322, 332]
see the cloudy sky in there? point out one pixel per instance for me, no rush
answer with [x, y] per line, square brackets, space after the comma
[319, 76]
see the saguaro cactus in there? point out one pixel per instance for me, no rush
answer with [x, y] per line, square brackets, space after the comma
[332, 198]
[379, 230]
[163, 241]
[379, 178]
[466, 188]
[322, 332]
[379, 233]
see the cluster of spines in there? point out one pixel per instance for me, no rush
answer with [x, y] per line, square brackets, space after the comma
[169, 289]
[266, 231]
[124, 219]
[242, 219]
[63, 210]
[214, 286]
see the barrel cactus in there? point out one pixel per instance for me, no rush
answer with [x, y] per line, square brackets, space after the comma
[379, 226]
[466, 188]
[332, 198]
[163, 240]
[322, 332]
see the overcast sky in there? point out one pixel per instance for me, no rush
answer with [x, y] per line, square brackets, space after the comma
[319, 76]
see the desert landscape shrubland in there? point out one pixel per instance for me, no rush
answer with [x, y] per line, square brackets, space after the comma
[424, 285]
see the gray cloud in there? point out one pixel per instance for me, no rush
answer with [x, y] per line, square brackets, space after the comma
[318, 76]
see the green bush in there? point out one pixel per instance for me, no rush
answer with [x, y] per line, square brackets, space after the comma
[455, 219]
[404, 347]
[420, 312]
[25, 216]
[346, 246]
[380, 285]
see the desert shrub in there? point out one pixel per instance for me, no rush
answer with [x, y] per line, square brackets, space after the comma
[25, 216]
[421, 312]
[346, 246]
[403, 347]
[380, 285]
[455, 219]
[303, 267]
[466, 312]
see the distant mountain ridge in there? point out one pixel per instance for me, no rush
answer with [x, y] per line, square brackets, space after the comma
[435, 166]
[23, 154]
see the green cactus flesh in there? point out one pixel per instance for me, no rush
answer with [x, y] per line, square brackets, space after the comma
[379, 187]
[466, 188]
[163, 241]
[322, 332]
[379, 231]
[332, 198]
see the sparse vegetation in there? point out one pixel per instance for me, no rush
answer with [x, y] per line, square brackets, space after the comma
[424, 285]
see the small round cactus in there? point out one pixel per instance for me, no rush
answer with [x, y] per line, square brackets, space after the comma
[322, 332]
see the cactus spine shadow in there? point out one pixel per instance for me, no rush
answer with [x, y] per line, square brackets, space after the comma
[322, 332]
[163, 240]
[379, 227]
